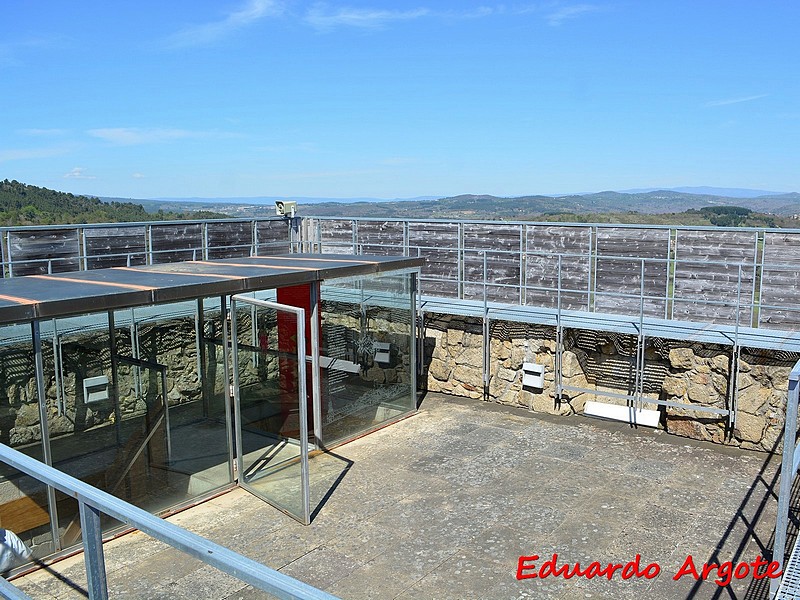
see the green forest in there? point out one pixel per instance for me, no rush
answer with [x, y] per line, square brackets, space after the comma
[22, 204]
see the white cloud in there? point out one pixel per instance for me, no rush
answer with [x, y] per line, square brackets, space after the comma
[324, 18]
[205, 33]
[734, 100]
[78, 173]
[565, 13]
[138, 176]
[135, 136]
[43, 132]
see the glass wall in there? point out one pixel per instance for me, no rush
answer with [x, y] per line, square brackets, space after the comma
[141, 414]
[367, 353]
[269, 430]
[23, 500]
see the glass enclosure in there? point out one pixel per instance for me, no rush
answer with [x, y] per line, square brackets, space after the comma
[139, 401]
[140, 414]
[367, 354]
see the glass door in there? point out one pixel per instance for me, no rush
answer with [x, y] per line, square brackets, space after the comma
[271, 403]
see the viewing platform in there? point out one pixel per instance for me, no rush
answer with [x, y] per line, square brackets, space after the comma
[442, 505]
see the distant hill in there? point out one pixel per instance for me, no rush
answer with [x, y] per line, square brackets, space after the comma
[22, 204]
[522, 207]
[711, 191]
[271, 199]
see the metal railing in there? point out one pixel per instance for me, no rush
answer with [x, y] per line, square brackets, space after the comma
[93, 502]
[687, 277]
[686, 280]
[789, 465]
[70, 248]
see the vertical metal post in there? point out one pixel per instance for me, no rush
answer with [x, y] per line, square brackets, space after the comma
[302, 396]
[486, 345]
[254, 238]
[41, 398]
[758, 278]
[354, 226]
[148, 233]
[135, 369]
[112, 346]
[559, 337]
[666, 279]
[640, 342]
[316, 386]
[205, 240]
[406, 237]
[522, 260]
[417, 336]
[733, 376]
[198, 337]
[93, 558]
[592, 276]
[254, 333]
[8, 255]
[787, 475]
[167, 427]
[199, 324]
[460, 262]
[672, 276]
[60, 403]
[83, 261]
[229, 387]
[3, 261]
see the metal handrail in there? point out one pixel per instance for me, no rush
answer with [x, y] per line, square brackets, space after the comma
[557, 224]
[789, 465]
[92, 502]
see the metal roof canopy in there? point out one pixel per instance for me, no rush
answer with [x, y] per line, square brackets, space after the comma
[48, 296]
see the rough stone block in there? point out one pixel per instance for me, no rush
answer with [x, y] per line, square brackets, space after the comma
[472, 356]
[749, 427]
[720, 364]
[674, 386]
[440, 370]
[681, 358]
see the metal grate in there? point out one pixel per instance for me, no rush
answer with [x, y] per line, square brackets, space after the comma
[790, 583]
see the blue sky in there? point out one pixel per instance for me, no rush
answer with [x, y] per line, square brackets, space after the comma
[396, 99]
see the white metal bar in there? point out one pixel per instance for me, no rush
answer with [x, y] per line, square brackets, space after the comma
[787, 473]
[44, 426]
[236, 565]
[316, 387]
[92, 535]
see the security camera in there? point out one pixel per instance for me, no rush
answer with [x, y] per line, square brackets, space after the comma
[285, 209]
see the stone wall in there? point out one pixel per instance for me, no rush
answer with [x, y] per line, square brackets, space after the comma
[674, 371]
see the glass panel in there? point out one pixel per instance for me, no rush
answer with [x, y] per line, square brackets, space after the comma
[135, 421]
[23, 499]
[367, 354]
[198, 454]
[87, 431]
[268, 419]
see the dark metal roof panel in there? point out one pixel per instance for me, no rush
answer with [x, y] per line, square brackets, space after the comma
[48, 296]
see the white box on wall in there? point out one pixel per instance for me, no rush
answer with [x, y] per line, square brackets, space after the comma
[532, 375]
[95, 389]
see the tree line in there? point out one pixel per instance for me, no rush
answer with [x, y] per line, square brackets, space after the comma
[22, 204]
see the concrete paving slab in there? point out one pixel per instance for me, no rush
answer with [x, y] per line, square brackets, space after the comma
[443, 505]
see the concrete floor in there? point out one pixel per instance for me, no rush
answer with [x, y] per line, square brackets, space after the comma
[443, 504]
